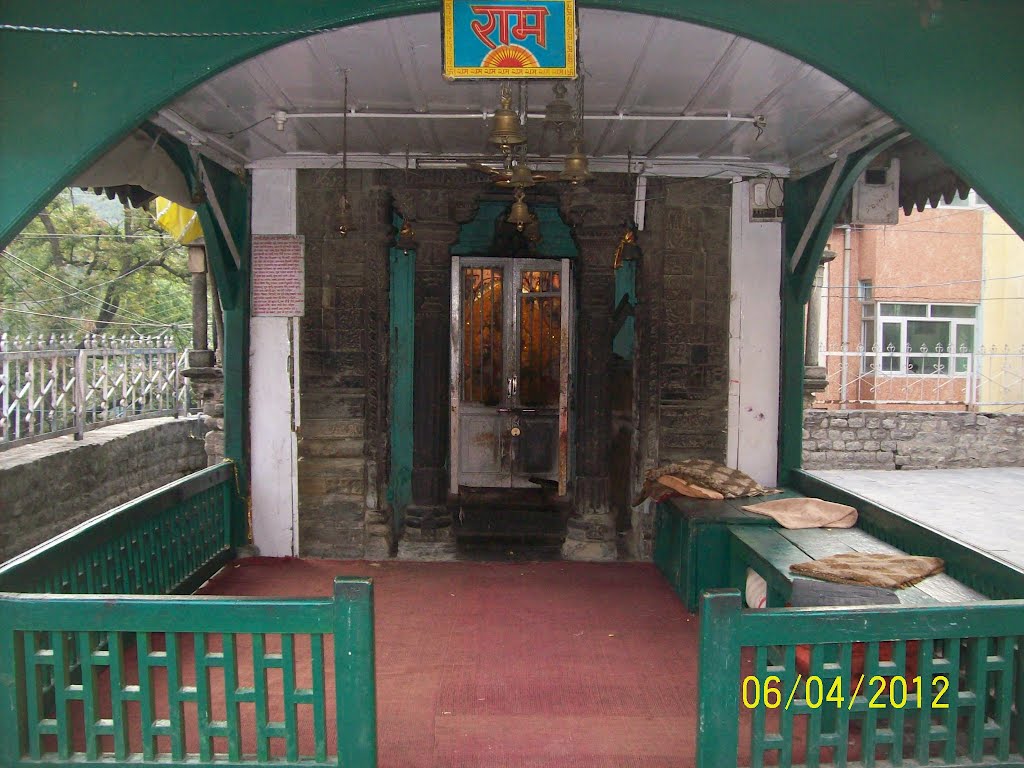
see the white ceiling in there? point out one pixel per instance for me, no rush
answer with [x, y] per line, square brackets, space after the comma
[635, 65]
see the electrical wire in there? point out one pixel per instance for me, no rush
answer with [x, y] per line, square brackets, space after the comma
[88, 319]
[53, 279]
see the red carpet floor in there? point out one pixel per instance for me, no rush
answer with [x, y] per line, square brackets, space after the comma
[517, 665]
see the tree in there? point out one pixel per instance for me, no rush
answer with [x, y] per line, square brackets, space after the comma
[70, 271]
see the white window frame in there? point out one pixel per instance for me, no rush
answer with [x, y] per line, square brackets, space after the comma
[946, 360]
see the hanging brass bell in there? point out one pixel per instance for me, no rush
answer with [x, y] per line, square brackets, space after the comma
[506, 129]
[519, 214]
[522, 176]
[558, 112]
[576, 169]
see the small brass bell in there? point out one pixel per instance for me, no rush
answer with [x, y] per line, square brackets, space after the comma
[406, 240]
[576, 170]
[519, 214]
[346, 221]
[506, 130]
[522, 176]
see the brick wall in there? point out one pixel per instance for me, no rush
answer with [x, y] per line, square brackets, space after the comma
[50, 486]
[911, 440]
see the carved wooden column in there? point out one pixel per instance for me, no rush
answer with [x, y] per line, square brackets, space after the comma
[437, 203]
[591, 529]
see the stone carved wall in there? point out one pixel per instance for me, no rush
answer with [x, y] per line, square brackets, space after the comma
[680, 369]
[682, 363]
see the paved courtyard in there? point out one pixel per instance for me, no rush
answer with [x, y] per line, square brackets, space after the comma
[980, 507]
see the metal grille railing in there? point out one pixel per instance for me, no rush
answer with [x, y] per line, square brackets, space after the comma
[989, 378]
[60, 386]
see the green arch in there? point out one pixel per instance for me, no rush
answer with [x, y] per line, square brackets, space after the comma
[949, 70]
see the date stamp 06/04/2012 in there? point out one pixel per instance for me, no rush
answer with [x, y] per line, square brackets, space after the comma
[888, 692]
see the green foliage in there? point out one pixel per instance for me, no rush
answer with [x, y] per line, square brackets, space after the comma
[72, 272]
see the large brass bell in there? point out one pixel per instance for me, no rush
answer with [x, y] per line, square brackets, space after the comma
[576, 169]
[506, 129]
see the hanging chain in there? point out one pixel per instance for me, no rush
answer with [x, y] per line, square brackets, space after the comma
[344, 144]
[145, 33]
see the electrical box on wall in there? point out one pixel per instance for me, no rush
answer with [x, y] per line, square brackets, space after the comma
[766, 199]
[876, 195]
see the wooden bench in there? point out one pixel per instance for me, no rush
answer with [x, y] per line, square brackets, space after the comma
[770, 551]
[691, 541]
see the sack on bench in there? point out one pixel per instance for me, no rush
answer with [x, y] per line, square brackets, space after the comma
[871, 569]
[806, 513]
[699, 478]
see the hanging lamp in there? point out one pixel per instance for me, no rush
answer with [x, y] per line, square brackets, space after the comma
[346, 219]
[406, 238]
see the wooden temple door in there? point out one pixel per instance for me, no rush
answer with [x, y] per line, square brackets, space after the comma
[511, 356]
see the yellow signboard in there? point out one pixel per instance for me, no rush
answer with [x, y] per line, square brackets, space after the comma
[504, 39]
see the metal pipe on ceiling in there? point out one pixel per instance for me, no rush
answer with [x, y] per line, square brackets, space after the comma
[281, 117]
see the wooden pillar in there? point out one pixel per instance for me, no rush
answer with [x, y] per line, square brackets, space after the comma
[591, 529]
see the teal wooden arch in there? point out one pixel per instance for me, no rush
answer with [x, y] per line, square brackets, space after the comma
[950, 71]
[477, 235]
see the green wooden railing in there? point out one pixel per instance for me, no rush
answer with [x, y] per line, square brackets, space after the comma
[940, 685]
[103, 661]
[168, 541]
[188, 680]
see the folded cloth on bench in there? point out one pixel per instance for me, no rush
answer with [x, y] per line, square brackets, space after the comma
[876, 570]
[806, 513]
[698, 476]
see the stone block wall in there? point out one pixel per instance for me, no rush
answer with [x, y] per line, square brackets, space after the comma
[682, 364]
[53, 485]
[342, 355]
[911, 440]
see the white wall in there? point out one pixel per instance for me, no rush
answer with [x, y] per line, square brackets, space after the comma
[273, 350]
[755, 314]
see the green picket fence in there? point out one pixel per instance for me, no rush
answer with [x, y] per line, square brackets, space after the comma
[104, 660]
[892, 686]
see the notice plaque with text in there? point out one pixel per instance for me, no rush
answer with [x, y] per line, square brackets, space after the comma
[278, 276]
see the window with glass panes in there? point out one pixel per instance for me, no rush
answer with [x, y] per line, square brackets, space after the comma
[925, 339]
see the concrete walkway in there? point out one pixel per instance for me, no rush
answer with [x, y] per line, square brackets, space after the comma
[980, 507]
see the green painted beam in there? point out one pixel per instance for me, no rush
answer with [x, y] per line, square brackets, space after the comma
[949, 72]
[233, 287]
[801, 198]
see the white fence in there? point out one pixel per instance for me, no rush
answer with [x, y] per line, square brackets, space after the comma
[60, 385]
[987, 379]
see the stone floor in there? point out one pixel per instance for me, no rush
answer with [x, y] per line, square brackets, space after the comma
[980, 507]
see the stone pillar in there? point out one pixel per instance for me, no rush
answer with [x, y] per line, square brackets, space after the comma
[591, 529]
[379, 238]
[438, 213]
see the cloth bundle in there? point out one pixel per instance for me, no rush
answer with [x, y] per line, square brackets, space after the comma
[700, 479]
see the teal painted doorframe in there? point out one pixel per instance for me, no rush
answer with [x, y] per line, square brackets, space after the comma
[401, 364]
